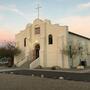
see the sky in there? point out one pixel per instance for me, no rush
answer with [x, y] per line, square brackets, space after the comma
[16, 14]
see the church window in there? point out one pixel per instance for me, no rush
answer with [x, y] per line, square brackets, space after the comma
[25, 42]
[50, 39]
[37, 30]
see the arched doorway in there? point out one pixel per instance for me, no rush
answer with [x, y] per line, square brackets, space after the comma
[36, 51]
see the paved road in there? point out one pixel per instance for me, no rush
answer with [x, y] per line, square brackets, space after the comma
[55, 74]
[23, 82]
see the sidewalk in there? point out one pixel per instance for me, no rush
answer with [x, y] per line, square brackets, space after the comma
[3, 69]
[86, 70]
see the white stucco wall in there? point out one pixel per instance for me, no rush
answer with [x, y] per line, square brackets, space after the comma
[50, 55]
[85, 43]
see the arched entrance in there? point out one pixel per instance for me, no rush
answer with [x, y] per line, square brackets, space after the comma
[36, 51]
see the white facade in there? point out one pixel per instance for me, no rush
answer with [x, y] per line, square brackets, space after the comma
[42, 44]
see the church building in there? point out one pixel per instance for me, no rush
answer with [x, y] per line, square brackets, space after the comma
[45, 44]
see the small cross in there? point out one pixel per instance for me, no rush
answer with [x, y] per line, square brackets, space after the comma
[38, 9]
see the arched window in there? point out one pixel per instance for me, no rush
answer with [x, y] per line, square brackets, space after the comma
[50, 39]
[25, 42]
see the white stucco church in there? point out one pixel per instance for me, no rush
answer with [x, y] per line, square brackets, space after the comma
[45, 44]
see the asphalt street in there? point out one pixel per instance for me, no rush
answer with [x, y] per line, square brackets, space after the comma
[55, 74]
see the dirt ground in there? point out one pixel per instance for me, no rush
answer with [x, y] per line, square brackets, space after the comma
[20, 82]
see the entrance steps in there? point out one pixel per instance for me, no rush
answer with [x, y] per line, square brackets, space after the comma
[35, 64]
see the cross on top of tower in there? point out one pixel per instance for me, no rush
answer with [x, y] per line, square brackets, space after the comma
[38, 8]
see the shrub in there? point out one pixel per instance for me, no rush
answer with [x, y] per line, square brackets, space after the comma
[39, 67]
[55, 68]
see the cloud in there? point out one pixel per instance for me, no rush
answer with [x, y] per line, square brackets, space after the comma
[77, 24]
[84, 5]
[13, 8]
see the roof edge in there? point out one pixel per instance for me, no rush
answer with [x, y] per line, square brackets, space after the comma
[79, 35]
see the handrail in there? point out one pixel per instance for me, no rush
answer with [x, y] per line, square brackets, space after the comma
[20, 57]
[34, 64]
[21, 60]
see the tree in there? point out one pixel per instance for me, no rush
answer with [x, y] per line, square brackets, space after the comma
[9, 50]
[73, 50]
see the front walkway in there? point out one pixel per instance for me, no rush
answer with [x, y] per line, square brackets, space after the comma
[86, 70]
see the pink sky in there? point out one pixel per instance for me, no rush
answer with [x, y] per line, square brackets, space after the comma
[77, 24]
[13, 16]
[7, 35]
